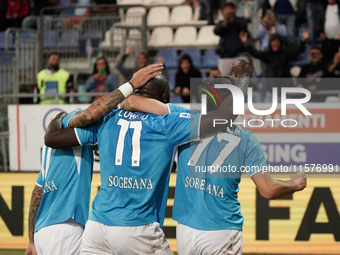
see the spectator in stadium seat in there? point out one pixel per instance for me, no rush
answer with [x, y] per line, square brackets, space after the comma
[142, 61]
[334, 68]
[212, 7]
[285, 12]
[230, 47]
[32, 20]
[277, 59]
[101, 10]
[186, 70]
[53, 80]
[269, 25]
[313, 10]
[311, 75]
[248, 10]
[78, 14]
[17, 10]
[101, 80]
[329, 28]
[334, 72]
[199, 9]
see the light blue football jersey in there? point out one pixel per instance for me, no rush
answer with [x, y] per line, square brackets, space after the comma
[208, 177]
[65, 178]
[136, 153]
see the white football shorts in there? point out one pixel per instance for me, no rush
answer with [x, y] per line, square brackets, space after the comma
[191, 241]
[63, 238]
[104, 239]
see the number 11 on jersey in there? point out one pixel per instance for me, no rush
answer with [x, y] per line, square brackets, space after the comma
[137, 129]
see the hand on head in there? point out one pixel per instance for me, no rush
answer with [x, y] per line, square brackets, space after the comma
[141, 77]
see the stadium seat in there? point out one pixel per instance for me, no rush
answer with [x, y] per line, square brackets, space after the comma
[114, 37]
[6, 58]
[134, 37]
[184, 36]
[172, 80]
[133, 17]
[195, 55]
[158, 15]
[173, 2]
[176, 99]
[129, 2]
[210, 59]
[153, 2]
[50, 39]
[181, 14]
[161, 37]
[92, 34]
[69, 39]
[2, 41]
[170, 57]
[27, 35]
[207, 37]
[67, 13]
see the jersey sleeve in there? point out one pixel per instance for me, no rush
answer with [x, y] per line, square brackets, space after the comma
[254, 157]
[39, 181]
[66, 119]
[85, 135]
[176, 108]
[181, 127]
[88, 135]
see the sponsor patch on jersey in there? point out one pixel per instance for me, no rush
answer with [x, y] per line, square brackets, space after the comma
[185, 115]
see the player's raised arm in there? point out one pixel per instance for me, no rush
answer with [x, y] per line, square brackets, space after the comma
[243, 71]
[105, 104]
[58, 137]
[33, 211]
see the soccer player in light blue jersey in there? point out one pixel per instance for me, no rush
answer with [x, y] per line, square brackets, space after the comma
[206, 205]
[136, 152]
[60, 200]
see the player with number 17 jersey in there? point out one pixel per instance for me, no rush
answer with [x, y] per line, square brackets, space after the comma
[208, 176]
[136, 152]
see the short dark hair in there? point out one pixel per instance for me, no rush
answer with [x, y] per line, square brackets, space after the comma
[230, 4]
[53, 53]
[143, 53]
[315, 46]
[156, 88]
[107, 69]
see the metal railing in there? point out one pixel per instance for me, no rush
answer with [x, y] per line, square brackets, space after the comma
[80, 38]
[17, 61]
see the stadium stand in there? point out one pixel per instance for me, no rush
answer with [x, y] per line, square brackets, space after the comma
[158, 15]
[184, 36]
[180, 15]
[195, 55]
[210, 59]
[169, 56]
[161, 37]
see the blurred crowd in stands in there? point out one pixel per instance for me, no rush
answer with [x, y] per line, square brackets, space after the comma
[272, 31]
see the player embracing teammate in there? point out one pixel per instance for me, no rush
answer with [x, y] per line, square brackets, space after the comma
[136, 152]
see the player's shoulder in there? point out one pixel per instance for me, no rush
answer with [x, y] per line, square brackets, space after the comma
[177, 108]
[239, 131]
